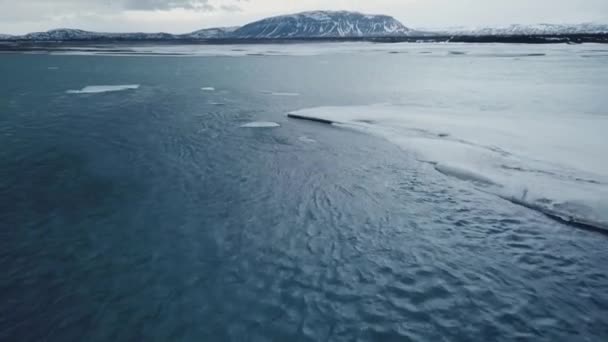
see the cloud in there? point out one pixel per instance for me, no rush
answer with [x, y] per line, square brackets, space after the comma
[28, 9]
[146, 5]
[38, 13]
[231, 8]
[22, 16]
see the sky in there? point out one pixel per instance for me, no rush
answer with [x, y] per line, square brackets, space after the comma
[181, 16]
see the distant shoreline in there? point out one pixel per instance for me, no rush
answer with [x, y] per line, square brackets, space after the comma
[505, 39]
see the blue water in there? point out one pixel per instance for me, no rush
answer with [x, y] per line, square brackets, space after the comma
[150, 214]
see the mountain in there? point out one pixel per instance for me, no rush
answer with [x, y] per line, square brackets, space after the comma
[529, 30]
[81, 35]
[212, 33]
[323, 24]
[316, 24]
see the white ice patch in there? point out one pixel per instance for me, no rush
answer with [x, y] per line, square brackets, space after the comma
[284, 94]
[208, 89]
[279, 93]
[103, 89]
[261, 124]
[413, 51]
[307, 140]
[463, 174]
[53, 68]
[554, 163]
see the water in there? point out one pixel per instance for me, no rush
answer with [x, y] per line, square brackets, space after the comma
[151, 209]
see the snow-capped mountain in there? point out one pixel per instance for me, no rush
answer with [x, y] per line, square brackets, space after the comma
[218, 32]
[301, 25]
[520, 30]
[73, 34]
[323, 24]
[317, 24]
[61, 34]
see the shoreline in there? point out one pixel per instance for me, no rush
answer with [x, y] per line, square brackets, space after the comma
[511, 39]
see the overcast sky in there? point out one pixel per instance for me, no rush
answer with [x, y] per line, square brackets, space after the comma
[179, 16]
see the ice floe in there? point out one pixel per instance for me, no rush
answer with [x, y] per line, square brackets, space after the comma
[103, 89]
[280, 93]
[261, 124]
[307, 140]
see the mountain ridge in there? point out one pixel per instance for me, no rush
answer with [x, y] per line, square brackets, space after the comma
[532, 29]
[324, 24]
[313, 25]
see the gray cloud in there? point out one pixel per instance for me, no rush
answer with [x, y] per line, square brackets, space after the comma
[231, 8]
[9, 8]
[21, 16]
[144, 5]
[29, 11]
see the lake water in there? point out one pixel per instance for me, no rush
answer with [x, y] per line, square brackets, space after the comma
[161, 193]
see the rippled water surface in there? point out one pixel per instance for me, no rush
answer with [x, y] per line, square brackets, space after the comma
[166, 198]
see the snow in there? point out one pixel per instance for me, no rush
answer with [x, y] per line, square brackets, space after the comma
[323, 24]
[517, 29]
[556, 165]
[320, 16]
[463, 174]
[317, 24]
[328, 49]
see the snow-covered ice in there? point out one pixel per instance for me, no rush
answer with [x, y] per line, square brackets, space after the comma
[261, 124]
[103, 89]
[307, 140]
[554, 164]
[280, 93]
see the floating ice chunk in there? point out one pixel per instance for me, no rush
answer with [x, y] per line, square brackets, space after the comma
[284, 94]
[208, 89]
[280, 93]
[307, 140]
[261, 124]
[53, 68]
[103, 89]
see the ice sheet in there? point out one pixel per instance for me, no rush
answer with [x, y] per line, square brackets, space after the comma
[399, 50]
[555, 164]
